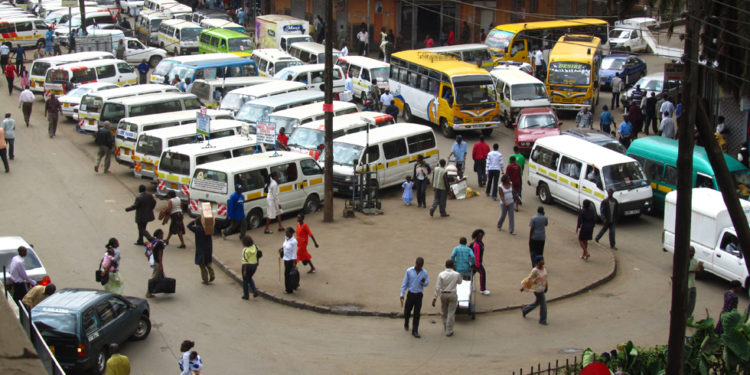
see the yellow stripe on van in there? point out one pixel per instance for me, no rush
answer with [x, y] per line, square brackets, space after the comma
[653, 185]
[135, 158]
[587, 190]
[285, 188]
[185, 180]
[171, 177]
[598, 195]
[553, 175]
[316, 181]
[532, 166]
[564, 180]
[391, 163]
[160, 175]
[665, 189]
[403, 160]
[574, 184]
[430, 153]
[254, 196]
[302, 185]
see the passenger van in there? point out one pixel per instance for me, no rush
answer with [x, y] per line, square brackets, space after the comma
[255, 110]
[39, 66]
[573, 72]
[178, 11]
[63, 78]
[300, 181]
[226, 41]
[571, 171]
[150, 143]
[90, 109]
[179, 36]
[391, 152]
[517, 90]
[311, 52]
[310, 138]
[177, 164]
[272, 60]
[473, 53]
[218, 65]
[658, 158]
[147, 24]
[205, 89]
[219, 23]
[165, 66]
[363, 70]
[101, 17]
[312, 76]
[291, 118]
[27, 31]
[234, 100]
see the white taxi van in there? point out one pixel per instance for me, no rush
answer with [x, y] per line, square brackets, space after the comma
[363, 70]
[39, 66]
[310, 138]
[63, 78]
[91, 104]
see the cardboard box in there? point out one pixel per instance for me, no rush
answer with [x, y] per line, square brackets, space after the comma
[207, 218]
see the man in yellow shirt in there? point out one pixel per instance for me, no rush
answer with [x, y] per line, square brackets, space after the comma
[38, 294]
[117, 364]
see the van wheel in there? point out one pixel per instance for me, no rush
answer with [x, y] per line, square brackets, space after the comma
[447, 130]
[254, 218]
[407, 113]
[101, 362]
[154, 61]
[543, 192]
[487, 132]
[312, 204]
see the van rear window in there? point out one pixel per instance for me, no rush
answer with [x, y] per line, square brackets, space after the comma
[213, 157]
[39, 68]
[57, 76]
[210, 180]
[149, 145]
[420, 142]
[175, 163]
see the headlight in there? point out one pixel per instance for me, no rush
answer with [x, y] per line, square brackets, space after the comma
[646, 203]
[587, 102]
[458, 120]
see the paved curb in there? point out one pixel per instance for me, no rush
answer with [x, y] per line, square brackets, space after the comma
[328, 310]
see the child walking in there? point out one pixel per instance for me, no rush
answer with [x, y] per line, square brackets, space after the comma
[408, 191]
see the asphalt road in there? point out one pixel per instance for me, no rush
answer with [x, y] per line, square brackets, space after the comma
[54, 200]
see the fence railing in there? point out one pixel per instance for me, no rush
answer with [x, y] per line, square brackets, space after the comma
[568, 368]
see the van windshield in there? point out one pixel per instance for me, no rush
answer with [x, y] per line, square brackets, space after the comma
[306, 138]
[742, 181]
[148, 145]
[287, 123]
[530, 91]
[112, 112]
[241, 44]
[163, 68]
[345, 153]
[233, 101]
[624, 176]
[175, 163]
[252, 113]
[190, 34]
[285, 64]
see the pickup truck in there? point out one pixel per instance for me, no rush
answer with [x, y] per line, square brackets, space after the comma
[711, 234]
[135, 52]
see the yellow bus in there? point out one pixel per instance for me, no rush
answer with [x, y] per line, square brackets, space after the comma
[573, 73]
[453, 94]
[515, 41]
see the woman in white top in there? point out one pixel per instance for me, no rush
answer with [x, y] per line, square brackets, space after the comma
[174, 206]
[506, 203]
[273, 205]
[184, 362]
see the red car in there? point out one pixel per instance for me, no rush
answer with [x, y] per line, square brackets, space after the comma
[535, 123]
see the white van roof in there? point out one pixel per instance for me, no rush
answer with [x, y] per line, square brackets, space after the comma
[281, 99]
[305, 68]
[234, 81]
[348, 120]
[154, 97]
[73, 57]
[219, 23]
[180, 130]
[364, 61]
[584, 150]
[274, 54]
[186, 115]
[254, 161]
[383, 134]
[307, 109]
[89, 63]
[708, 202]
[275, 85]
[135, 90]
[180, 24]
[514, 76]
[219, 144]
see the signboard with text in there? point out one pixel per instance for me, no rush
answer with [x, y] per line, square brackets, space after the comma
[203, 123]
[266, 132]
[70, 3]
[674, 72]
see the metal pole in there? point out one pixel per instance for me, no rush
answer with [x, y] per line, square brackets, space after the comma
[413, 25]
[328, 109]
[367, 45]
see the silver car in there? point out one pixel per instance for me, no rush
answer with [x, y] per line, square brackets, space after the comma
[9, 248]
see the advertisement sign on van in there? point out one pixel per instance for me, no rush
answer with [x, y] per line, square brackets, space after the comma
[266, 132]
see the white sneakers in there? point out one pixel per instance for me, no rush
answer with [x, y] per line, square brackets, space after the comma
[486, 292]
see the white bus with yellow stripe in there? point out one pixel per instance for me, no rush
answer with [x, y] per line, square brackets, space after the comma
[39, 66]
[391, 151]
[177, 164]
[571, 171]
[300, 181]
[179, 36]
[91, 104]
[63, 78]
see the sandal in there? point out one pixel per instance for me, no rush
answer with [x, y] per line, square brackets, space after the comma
[181, 246]
[267, 232]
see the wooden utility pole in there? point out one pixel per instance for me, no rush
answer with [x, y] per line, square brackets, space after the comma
[82, 6]
[678, 320]
[328, 109]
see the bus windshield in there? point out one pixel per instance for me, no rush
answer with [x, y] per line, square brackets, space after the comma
[570, 73]
[499, 39]
[474, 89]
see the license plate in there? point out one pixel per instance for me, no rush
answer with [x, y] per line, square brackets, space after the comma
[52, 349]
[148, 167]
[66, 105]
[632, 212]
[172, 186]
[126, 151]
[91, 122]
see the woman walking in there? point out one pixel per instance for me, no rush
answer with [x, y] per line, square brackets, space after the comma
[10, 74]
[185, 348]
[537, 282]
[507, 203]
[303, 231]
[249, 266]
[110, 266]
[176, 226]
[585, 227]
[421, 172]
[477, 245]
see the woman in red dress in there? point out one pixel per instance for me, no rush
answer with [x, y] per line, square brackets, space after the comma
[303, 231]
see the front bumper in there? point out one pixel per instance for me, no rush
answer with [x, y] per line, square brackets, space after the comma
[636, 207]
[475, 125]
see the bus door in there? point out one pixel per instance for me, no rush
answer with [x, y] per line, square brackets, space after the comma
[519, 50]
[444, 108]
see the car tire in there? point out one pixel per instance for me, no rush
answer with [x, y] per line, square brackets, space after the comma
[142, 329]
[544, 195]
[100, 365]
[312, 204]
[445, 129]
[254, 218]
[154, 61]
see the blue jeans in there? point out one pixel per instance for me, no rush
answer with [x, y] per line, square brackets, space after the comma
[247, 279]
[493, 178]
[508, 210]
[541, 301]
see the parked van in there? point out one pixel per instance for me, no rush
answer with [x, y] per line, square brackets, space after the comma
[179, 36]
[117, 109]
[206, 89]
[311, 52]
[151, 143]
[101, 17]
[310, 138]
[165, 66]
[517, 90]
[300, 181]
[27, 31]
[391, 152]
[234, 100]
[72, 100]
[157, 5]
[226, 41]
[291, 118]
[177, 164]
[272, 60]
[312, 76]
[658, 158]
[147, 24]
[90, 109]
[219, 65]
[63, 78]
[39, 67]
[219, 23]
[571, 170]
[255, 110]
[363, 70]
[178, 11]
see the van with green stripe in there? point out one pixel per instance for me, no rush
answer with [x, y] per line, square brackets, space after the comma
[225, 41]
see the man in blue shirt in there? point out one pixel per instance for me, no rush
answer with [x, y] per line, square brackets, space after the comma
[236, 213]
[415, 280]
[463, 258]
[625, 131]
[605, 120]
[459, 151]
[143, 71]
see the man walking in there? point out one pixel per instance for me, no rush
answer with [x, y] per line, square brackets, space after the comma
[19, 279]
[4, 55]
[106, 142]
[494, 169]
[386, 99]
[204, 249]
[479, 155]
[273, 204]
[117, 364]
[537, 282]
[236, 213]
[521, 161]
[608, 214]
[537, 234]
[463, 258]
[25, 102]
[4, 150]
[693, 268]
[459, 151]
[440, 185]
[650, 112]
[414, 282]
[585, 119]
[421, 178]
[666, 127]
[363, 37]
[617, 86]
[445, 289]
[52, 109]
[9, 125]
[144, 212]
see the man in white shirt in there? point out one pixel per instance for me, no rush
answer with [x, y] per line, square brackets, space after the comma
[445, 289]
[363, 36]
[18, 277]
[344, 50]
[4, 55]
[386, 98]
[288, 254]
[493, 169]
[666, 108]
[25, 102]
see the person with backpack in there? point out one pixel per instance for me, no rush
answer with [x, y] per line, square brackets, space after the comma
[106, 143]
[375, 94]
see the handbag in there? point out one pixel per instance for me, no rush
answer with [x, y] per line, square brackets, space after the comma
[259, 254]
[104, 278]
[98, 275]
[164, 216]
